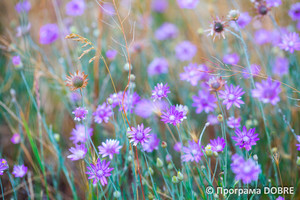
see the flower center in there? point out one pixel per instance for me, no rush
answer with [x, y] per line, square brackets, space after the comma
[291, 43]
[160, 92]
[230, 96]
[218, 27]
[172, 117]
[247, 169]
[100, 172]
[245, 138]
[194, 152]
[139, 135]
[77, 81]
[215, 85]
[218, 147]
[263, 10]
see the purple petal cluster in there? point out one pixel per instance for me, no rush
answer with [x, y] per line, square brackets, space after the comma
[80, 113]
[19, 171]
[294, 12]
[75, 7]
[78, 152]
[111, 54]
[231, 59]
[158, 66]
[273, 3]
[102, 113]
[185, 51]
[193, 73]
[267, 91]
[245, 138]
[152, 143]
[3, 166]
[23, 6]
[139, 134]
[49, 33]
[281, 66]
[262, 36]
[234, 122]
[290, 42]
[166, 31]
[192, 153]
[298, 145]
[205, 101]
[218, 144]
[109, 148]
[255, 70]
[16, 138]
[187, 4]
[16, 60]
[79, 134]
[99, 171]
[172, 116]
[160, 91]
[159, 6]
[145, 108]
[232, 96]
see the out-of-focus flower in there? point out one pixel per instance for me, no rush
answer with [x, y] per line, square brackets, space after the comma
[166, 31]
[145, 108]
[152, 143]
[192, 153]
[139, 134]
[109, 148]
[298, 145]
[79, 134]
[160, 91]
[99, 171]
[294, 12]
[245, 138]
[280, 198]
[231, 59]
[3, 166]
[23, 29]
[108, 9]
[75, 97]
[49, 33]
[218, 144]
[273, 3]
[172, 116]
[102, 113]
[204, 102]
[130, 100]
[159, 6]
[80, 113]
[255, 70]
[158, 66]
[75, 8]
[23, 6]
[177, 146]
[185, 51]
[232, 96]
[212, 119]
[216, 83]
[19, 171]
[234, 122]
[245, 170]
[111, 54]
[77, 80]
[233, 15]
[183, 109]
[243, 20]
[16, 138]
[281, 66]
[16, 61]
[217, 28]
[267, 91]
[187, 4]
[78, 152]
[193, 73]
[262, 36]
[290, 42]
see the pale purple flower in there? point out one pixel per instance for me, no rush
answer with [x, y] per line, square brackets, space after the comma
[245, 170]
[192, 153]
[102, 113]
[185, 51]
[19, 171]
[244, 19]
[232, 96]
[172, 116]
[168, 158]
[3, 166]
[16, 60]
[80, 113]
[231, 59]
[183, 109]
[78, 152]
[109, 148]
[193, 73]
[16, 138]
[111, 54]
[234, 122]
[23, 29]
[130, 100]
[276, 35]
[116, 99]
[75, 7]
[159, 6]
[281, 66]
[280, 198]
[158, 66]
[273, 3]
[166, 31]
[267, 91]
[75, 96]
[139, 134]
[262, 36]
[23, 6]
[99, 171]
[145, 108]
[294, 12]
[290, 42]
[212, 119]
[108, 9]
[79, 134]
[218, 144]
[187, 4]
[255, 70]
[160, 91]
[177, 146]
[49, 33]
[204, 101]
[152, 143]
[298, 145]
[245, 138]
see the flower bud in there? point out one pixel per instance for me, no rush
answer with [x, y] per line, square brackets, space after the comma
[132, 77]
[110, 101]
[174, 179]
[163, 144]
[208, 150]
[159, 163]
[126, 67]
[179, 176]
[170, 166]
[150, 170]
[117, 194]
[234, 15]
[255, 157]
[220, 118]
[56, 137]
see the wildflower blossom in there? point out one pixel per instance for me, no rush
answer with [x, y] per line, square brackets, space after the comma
[215, 83]
[234, 122]
[152, 143]
[102, 113]
[16, 138]
[290, 42]
[298, 145]
[185, 51]
[16, 61]
[193, 73]
[187, 4]
[212, 119]
[130, 100]
[294, 12]
[99, 171]
[77, 80]
[139, 134]
[267, 91]
[3, 166]
[109, 148]
[232, 96]
[19, 171]
[75, 7]
[177, 146]
[192, 153]
[183, 109]
[111, 54]
[231, 59]
[160, 91]
[262, 36]
[108, 9]
[158, 66]
[23, 6]
[273, 3]
[243, 21]
[204, 102]
[218, 144]
[245, 170]
[217, 28]
[255, 70]
[78, 152]
[172, 116]
[49, 33]
[281, 66]
[233, 15]
[79, 134]
[80, 113]
[166, 31]
[145, 108]
[159, 6]
[245, 138]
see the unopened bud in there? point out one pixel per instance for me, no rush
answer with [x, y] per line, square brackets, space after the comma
[170, 166]
[159, 163]
[255, 157]
[132, 77]
[179, 176]
[150, 170]
[234, 15]
[117, 194]
[163, 144]
[110, 101]
[208, 150]
[56, 137]
[220, 118]
[175, 179]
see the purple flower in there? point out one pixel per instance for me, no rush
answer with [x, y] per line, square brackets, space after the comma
[262, 36]
[177, 146]
[193, 73]
[116, 99]
[234, 122]
[16, 60]
[75, 8]
[23, 29]
[49, 33]
[273, 3]
[218, 144]
[160, 91]
[102, 113]
[166, 31]
[245, 138]
[80, 113]
[78, 152]
[244, 19]
[109, 148]
[255, 70]
[139, 134]
[204, 102]
[294, 12]
[183, 109]
[158, 66]
[3, 166]
[19, 170]
[212, 119]
[172, 116]
[130, 100]
[23, 6]
[280, 198]
[145, 108]
[192, 153]
[231, 59]
[108, 9]
[159, 6]
[246, 171]
[290, 42]
[111, 54]
[185, 51]
[152, 143]
[16, 138]
[79, 134]
[187, 4]
[99, 171]
[298, 145]
[232, 96]
[267, 91]
[75, 96]
[281, 66]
